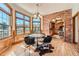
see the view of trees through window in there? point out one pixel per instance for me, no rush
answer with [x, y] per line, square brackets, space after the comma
[22, 23]
[5, 26]
[27, 23]
[36, 25]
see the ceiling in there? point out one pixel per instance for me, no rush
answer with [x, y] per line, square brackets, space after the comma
[45, 8]
[48, 8]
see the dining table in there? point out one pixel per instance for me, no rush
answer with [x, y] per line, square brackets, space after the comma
[37, 36]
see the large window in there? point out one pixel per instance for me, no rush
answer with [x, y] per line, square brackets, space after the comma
[19, 23]
[36, 25]
[5, 26]
[27, 23]
[22, 23]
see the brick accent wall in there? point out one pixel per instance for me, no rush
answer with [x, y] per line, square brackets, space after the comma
[66, 15]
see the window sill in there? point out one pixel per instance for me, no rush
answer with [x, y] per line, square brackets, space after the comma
[6, 38]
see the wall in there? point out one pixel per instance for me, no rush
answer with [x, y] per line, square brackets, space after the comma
[75, 8]
[66, 15]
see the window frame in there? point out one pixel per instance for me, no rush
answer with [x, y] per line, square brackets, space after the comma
[24, 32]
[32, 24]
[10, 15]
[29, 24]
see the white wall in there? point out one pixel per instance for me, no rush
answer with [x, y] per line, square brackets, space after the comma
[75, 8]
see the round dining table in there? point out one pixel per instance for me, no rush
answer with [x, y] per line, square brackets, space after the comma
[37, 36]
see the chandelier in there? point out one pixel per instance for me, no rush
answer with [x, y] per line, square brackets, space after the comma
[37, 14]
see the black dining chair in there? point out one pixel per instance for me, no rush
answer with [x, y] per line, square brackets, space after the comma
[46, 46]
[47, 39]
[29, 42]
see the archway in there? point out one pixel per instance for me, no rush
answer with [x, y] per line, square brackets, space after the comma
[57, 27]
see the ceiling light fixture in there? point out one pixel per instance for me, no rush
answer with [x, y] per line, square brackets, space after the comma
[37, 14]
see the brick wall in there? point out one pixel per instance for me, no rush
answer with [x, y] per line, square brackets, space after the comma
[66, 15]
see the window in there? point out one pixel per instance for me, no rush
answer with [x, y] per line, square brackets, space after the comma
[27, 23]
[19, 23]
[5, 26]
[36, 25]
[5, 8]
[22, 23]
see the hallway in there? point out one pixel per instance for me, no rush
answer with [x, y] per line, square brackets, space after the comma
[61, 48]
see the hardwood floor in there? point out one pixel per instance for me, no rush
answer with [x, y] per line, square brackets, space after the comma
[61, 48]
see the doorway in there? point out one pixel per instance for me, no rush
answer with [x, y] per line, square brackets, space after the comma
[57, 28]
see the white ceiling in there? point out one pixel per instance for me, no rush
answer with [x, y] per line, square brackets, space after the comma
[48, 8]
[45, 8]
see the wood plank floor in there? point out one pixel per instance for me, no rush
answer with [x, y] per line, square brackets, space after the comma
[61, 48]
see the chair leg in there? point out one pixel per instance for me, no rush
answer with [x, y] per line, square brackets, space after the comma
[50, 46]
[29, 50]
[41, 53]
